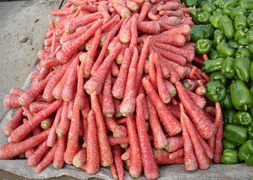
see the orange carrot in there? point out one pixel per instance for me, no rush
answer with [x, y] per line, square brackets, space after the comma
[117, 103]
[135, 168]
[64, 123]
[51, 140]
[205, 127]
[170, 88]
[133, 6]
[177, 13]
[35, 158]
[91, 53]
[104, 148]
[94, 84]
[118, 162]
[80, 158]
[43, 54]
[12, 101]
[149, 165]
[10, 150]
[144, 102]
[162, 157]
[144, 11]
[168, 6]
[177, 154]
[160, 140]
[17, 91]
[62, 12]
[48, 159]
[110, 23]
[126, 155]
[73, 136]
[165, 115]
[74, 35]
[107, 102]
[174, 39]
[93, 158]
[103, 9]
[125, 32]
[127, 106]
[115, 69]
[47, 123]
[175, 143]
[200, 101]
[14, 122]
[152, 14]
[19, 133]
[118, 89]
[149, 27]
[152, 70]
[59, 152]
[146, 67]
[123, 11]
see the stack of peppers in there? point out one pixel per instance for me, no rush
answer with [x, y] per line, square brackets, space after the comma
[224, 31]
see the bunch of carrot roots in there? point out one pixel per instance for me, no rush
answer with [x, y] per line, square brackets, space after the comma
[118, 85]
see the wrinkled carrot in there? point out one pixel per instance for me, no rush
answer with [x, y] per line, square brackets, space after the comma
[162, 157]
[174, 39]
[152, 14]
[64, 124]
[135, 167]
[61, 12]
[17, 91]
[14, 122]
[149, 165]
[170, 123]
[177, 154]
[126, 155]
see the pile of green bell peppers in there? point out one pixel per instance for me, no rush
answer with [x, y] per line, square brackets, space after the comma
[224, 31]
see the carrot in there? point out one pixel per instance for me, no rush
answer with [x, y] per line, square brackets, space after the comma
[174, 110]
[33, 75]
[162, 90]
[175, 143]
[19, 133]
[10, 150]
[118, 162]
[190, 84]
[205, 127]
[127, 106]
[113, 43]
[177, 154]
[170, 88]
[126, 155]
[37, 106]
[200, 101]
[104, 148]
[49, 41]
[152, 14]
[17, 91]
[64, 123]
[152, 71]
[117, 141]
[83, 100]
[160, 140]
[114, 171]
[135, 168]
[14, 122]
[144, 10]
[93, 158]
[170, 123]
[46, 160]
[107, 102]
[124, 12]
[80, 158]
[189, 55]
[74, 35]
[163, 157]
[43, 54]
[168, 6]
[69, 86]
[64, 55]
[201, 90]
[115, 69]
[106, 27]
[117, 103]
[193, 70]
[218, 142]
[91, 53]
[94, 84]
[12, 101]
[149, 27]
[174, 39]
[73, 136]
[125, 32]
[119, 85]
[133, 6]
[35, 158]
[149, 165]
[118, 130]
[62, 12]
[120, 56]
[177, 13]
[146, 67]
[47, 123]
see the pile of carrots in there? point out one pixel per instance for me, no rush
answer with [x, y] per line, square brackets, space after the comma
[118, 86]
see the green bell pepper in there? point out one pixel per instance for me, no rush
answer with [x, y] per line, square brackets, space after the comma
[242, 68]
[227, 10]
[224, 50]
[212, 65]
[233, 43]
[251, 48]
[229, 156]
[246, 4]
[220, 3]
[214, 20]
[227, 26]
[240, 20]
[228, 144]
[217, 76]
[213, 54]
[250, 36]
[250, 19]
[251, 71]
[241, 97]
[230, 3]
[243, 42]
[208, 30]
[215, 91]
[251, 90]
[227, 116]
[203, 17]
[208, 7]
[194, 14]
[218, 37]
[190, 3]
[226, 103]
[196, 33]
[243, 52]
[203, 46]
[217, 11]
[250, 130]
[237, 11]
[240, 33]
[246, 152]
[227, 67]
[235, 133]
[242, 118]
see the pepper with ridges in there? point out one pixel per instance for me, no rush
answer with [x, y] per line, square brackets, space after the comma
[235, 133]
[224, 50]
[227, 116]
[203, 46]
[212, 65]
[246, 152]
[240, 33]
[215, 91]
[242, 118]
[227, 67]
[217, 76]
[228, 144]
[226, 103]
[242, 68]
[203, 17]
[243, 52]
[229, 156]
[227, 26]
